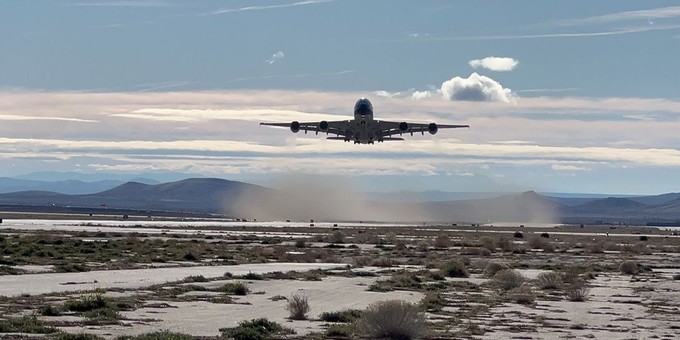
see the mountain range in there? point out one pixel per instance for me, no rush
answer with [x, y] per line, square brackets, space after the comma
[238, 199]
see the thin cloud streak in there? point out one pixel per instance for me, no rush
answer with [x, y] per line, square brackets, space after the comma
[632, 30]
[139, 3]
[260, 8]
[645, 14]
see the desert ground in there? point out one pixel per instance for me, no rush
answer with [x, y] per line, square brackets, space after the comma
[105, 277]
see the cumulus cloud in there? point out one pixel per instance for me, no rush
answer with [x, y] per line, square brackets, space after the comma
[500, 64]
[476, 88]
[418, 95]
[276, 57]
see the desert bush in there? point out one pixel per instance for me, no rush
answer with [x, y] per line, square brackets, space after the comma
[9, 270]
[455, 268]
[676, 277]
[235, 288]
[195, 278]
[344, 331]
[442, 241]
[345, 316]
[545, 235]
[392, 319]
[549, 280]
[158, 335]
[519, 250]
[78, 336]
[337, 237]
[300, 243]
[422, 246]
[26, 324]
[577, 291]
[298, 307]
[518, 234]
[541, 243]
[49, 310]
[70, 268]
[433, 302]
[488, 243]
[522, 295]
[505, 244]
[507, 279]
[596, 248]
[629, 267]
[87, 303]
[492, 268]
[479, 251]
[253, 276]
[256, 329]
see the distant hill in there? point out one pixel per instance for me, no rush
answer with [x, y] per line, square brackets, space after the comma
[197, 194]
[238, 199]
[70, 187]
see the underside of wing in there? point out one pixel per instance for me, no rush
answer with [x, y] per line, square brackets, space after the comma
[388, 128]
[338, 128]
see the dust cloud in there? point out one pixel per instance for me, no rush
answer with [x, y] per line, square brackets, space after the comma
[324, 198]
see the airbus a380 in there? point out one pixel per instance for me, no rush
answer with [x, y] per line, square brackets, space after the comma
[363, 129]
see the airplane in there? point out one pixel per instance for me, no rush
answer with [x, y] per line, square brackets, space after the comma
[363, 129]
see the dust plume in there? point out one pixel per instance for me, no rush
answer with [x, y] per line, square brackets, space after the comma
[329, 198]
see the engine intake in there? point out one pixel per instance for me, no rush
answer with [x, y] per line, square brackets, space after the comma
[295, 126]
[432, 128]
[323, 126]
[403, 126]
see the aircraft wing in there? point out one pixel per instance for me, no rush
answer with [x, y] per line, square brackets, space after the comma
[388, 128]
[338, 128]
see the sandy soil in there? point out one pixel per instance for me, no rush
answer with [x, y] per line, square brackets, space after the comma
[405, 260]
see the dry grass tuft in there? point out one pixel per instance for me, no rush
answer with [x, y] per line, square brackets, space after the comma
[298, 307]
[392, 319]
[549, 280]
[508, 279]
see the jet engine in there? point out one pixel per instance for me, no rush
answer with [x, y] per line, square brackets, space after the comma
[403, 127]
[432, 128]
[323, 126]
[295, 126]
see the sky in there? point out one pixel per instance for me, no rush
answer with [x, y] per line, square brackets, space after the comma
[561, 96]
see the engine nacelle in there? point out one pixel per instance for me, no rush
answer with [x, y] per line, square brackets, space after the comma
[403, 127]
[295, 126]
[323, 126]
[432, 128]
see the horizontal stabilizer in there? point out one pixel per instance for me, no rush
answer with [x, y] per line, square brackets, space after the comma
[336, 138]
[386, 139]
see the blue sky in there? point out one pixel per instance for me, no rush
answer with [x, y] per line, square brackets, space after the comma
[571, 96]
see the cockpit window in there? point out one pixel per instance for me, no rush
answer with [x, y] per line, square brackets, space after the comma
[363, 107]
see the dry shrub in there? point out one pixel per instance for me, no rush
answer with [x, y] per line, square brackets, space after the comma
[455, 268]
[298, 307]
[577, 291]
[505, 244]
[523, 295]
[492, 268]
[541, 243]
[596, 248]
[392, 319]
[549, 280]
[629, 267]
[507, 279]
[442, 241]
[488, 243]
[479, 251]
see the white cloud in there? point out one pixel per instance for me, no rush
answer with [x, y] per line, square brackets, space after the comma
[386, 94]
[276, 57]
[476, 88]
[500, 64]
[418, 95]
[568, 167]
